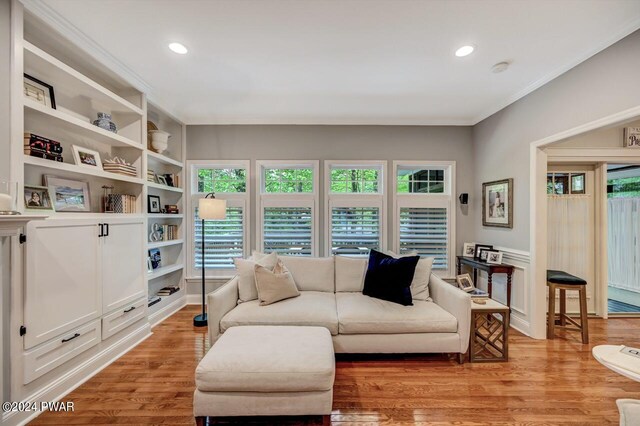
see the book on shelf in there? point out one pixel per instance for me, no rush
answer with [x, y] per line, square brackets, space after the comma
[120, 203]
[168, 291]
[153, 300]
[38, 146]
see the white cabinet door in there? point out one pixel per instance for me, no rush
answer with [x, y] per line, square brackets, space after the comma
[123, 263]
[62, 288]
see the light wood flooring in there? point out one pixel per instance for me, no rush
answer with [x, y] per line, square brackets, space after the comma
[545, 382]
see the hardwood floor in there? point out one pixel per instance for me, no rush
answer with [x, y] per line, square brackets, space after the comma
[545, 382]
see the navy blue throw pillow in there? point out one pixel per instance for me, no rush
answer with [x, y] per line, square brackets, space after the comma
[389, 278]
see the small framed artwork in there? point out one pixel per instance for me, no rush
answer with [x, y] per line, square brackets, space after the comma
[39, 91]
[153, 203]
[469, 250]
[497, 203]
[156, 258]
[632, 137]
[162, 180]
[479, 248]
[168, 178]
[85, 157]
[37, 197]
[69, 195]
[465, 282]
[494, 257]
[149, 265]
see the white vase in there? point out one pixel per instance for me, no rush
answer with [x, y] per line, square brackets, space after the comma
[159, 140]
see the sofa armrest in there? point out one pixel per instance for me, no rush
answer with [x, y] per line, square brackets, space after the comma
[456, 302]
[219, 302]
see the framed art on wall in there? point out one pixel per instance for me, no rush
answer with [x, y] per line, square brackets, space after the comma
[69, 195]
[497, 203]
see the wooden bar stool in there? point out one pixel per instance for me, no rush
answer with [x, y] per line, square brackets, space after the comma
[564, 281]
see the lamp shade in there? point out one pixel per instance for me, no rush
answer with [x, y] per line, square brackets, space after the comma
[212, 209]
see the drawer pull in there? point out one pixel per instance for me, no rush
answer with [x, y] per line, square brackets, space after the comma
[71, 338]
[129, 310]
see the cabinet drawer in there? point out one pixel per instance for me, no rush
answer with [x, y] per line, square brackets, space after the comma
[123, 317]
[51, 354]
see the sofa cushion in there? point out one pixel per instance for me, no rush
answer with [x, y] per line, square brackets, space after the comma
[360, 314]
[388, 278]
[260, 359]
[350, 273]
[420, 283]
[311, 273]
[274, 286]
[246, 275]
[311, 308]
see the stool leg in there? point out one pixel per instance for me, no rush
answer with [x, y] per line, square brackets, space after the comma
[563, 306]
[551, 315]
[584, 321]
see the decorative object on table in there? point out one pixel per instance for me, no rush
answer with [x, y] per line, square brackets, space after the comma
[168, 291]
[151, 176]
[464, 282]
[104, 122]
[497, 203]
[150, 126]
[120, 166]
[209, 208]
[469, 250]
[478, 294]
[490, 269]
[8, 198]
[494, 257]
[39, 91]
[156, 258]
[69, 195]
[38, 146]
[480, 247]
[153, 202]
[159, 140]
[172, 209]
[162, 180]
[37, 197]
[84, 157]
[632, 137]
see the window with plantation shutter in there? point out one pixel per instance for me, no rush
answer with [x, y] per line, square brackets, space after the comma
[355, 230]
[223, 240]
[288, 230]
[425, 230]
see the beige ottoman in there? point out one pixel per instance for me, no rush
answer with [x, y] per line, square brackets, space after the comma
[266, 371]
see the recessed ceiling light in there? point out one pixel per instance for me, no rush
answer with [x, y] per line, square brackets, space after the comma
[464, 51]
[178, 48]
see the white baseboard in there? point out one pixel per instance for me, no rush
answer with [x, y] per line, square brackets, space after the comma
[164, 313]
[521, 325]
[56, 390]
[194, 299]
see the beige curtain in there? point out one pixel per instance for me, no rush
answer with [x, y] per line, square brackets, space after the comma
[568, 233]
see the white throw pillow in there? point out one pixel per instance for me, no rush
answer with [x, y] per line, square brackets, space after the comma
[246, 275]
[274, 286]
[350, 273]
[420, 283]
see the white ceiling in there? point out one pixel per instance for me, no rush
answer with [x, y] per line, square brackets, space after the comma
[342, 61]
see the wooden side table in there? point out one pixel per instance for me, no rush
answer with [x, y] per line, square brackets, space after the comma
[489, 336]
[490, 269]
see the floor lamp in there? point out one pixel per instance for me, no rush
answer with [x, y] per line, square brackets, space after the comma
[209, 208]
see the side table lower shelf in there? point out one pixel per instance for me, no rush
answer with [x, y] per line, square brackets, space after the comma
[489, 334]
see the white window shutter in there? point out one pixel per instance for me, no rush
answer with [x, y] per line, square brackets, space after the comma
[224, 240]
[288, 230]
[425, 230]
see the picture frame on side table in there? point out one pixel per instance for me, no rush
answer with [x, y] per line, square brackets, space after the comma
[494, 257]
[465, 282]
[497, 203]
[68, 195]
[37, 198]
[153, 204]
[479, 248]
[469, 250]
[84, 157]
[632, 137]
[39, 91]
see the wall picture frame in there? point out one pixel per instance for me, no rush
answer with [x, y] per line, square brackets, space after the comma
[39, 91]
[68, 195]
[497, 203]
[37, 198]
[153, 204]
[494, 257]
[85, 157]
[465, 282]
[632, 137]
[469, 250]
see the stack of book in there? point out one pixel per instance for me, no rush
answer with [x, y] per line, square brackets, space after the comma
[169, 232]
[120, 167]
[120, 203]
[168, 291]
[172, 209]
[37, 146]
[151, 176]
[477, 294]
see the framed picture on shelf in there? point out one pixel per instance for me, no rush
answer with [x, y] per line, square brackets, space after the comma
[168, 178]
[156, 258]
[494, 257]
[162, 180]
[39, 91]
[497, 203]
[149, 265]
[37, 197]
[484, 254]
[69, 195]
[153, 203]
[84, 157]
[479, 248]
[632, 137]
[469, 250]
[465, 282]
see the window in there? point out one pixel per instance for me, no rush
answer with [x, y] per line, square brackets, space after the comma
[566, 183]
[286, 206]
[356, 207]
[424, 218]
[224, 239]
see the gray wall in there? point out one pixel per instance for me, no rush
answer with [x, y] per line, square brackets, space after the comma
[607, 83]
[340, 143]
[5, 86]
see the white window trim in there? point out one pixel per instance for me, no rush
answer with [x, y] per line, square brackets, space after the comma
[355, 200]
[446, 199]
[233, 200]
[300, 199]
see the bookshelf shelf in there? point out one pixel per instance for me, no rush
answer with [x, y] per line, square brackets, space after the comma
[169, 243]
[164, 270]
[164, 187]
[159, 158]
[77, 170]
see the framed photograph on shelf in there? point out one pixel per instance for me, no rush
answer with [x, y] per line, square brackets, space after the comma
[469, 250]
[69, 195]
[37, 197]
[39, 91]
[162, 180]
[155, 257]
[497, 203]
[479, 248]
[632, 137]
[465, 282]
[153, 203]
[84, 157]
[494, 257]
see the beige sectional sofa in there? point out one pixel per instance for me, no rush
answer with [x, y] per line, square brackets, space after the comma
[331, 297]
